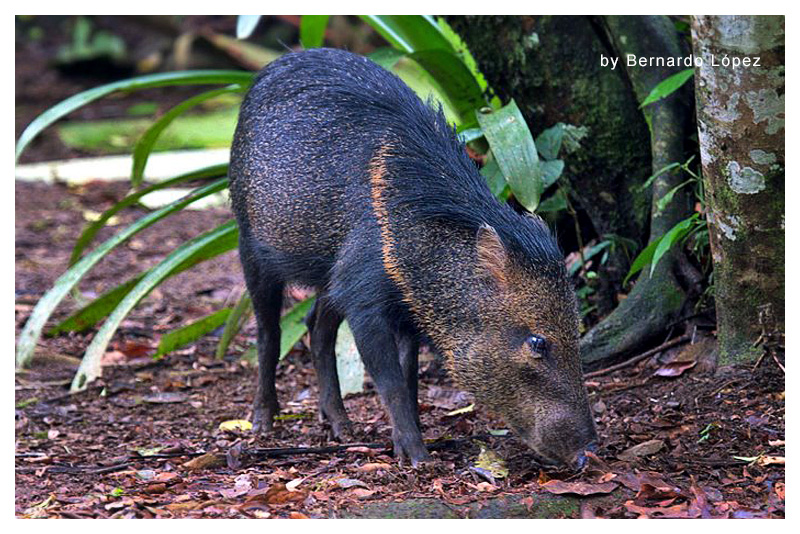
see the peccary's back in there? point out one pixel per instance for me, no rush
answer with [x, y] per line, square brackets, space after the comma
[307, 131]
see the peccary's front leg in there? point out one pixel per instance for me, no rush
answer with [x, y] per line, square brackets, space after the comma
[378, 348]
[323, 324]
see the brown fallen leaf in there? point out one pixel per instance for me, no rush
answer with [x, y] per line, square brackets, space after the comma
[579, 488]
[642, 449]
[634, 482]
[771, 460]
[346, 483]
[361, 493]
[374, 466]
[205, 461]
[674, 368]
[678, 511]
[156, 488]
[275, 494]
[780, 490]
[298, 515]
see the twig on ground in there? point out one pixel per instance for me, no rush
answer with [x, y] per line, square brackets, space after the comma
[640, 357]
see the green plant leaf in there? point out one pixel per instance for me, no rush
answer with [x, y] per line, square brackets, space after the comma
[386, 57]
[191, 332]
[91, 229]
[653, 252]
[470, 134]
[245, 25]
[44, 308]
[63, 108]
[548, 143]
[644, 257]
[409, 33]
[591, 253]
[144, 146]
[555, 202]
[458, 83]
[293, 324]
[494, 176]
[551, 171]
[99, 308]
[428, 88]
[463, 53]
[667, 198]
[515, 151]
[436, 74]
[665, 169]
[312, 30]
[668, 86]
[677, 232]
[91, 366]
[234, 322]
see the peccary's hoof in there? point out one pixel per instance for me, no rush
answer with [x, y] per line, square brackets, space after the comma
[342, 430]
[415, 453]
[263, 419]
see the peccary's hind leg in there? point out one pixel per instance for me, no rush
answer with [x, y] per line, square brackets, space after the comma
[378, 348]
[408, 350]
[267, 296]
[323, 323]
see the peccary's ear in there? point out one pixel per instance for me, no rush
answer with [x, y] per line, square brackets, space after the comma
[492, 255]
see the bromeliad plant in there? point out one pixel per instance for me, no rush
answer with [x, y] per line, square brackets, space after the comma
[424, 52]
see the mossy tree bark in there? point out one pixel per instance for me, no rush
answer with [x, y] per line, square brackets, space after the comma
[552, 68]
[657, 300]
[741, 113]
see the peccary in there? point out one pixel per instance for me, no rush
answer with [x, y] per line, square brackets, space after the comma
[342, 179]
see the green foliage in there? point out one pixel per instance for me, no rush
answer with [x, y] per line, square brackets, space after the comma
[410, 33]
[656, 250]
[144, 146]
[90, 367]
[312, 30]
[668, 86]
[47, 304]
[191, 332]
[515, 151]
[91, 230]
[62, 109]
[293, 325]
[86, 46]
[235, 321]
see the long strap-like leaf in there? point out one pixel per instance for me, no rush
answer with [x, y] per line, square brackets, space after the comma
[144, 146]
[44, 308]
[213, 171]
[74, 102]
[91, 365]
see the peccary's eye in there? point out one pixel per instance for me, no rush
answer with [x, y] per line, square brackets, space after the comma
[538, 345]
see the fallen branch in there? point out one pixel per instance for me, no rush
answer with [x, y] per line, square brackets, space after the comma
[636, 359]
[295, 451]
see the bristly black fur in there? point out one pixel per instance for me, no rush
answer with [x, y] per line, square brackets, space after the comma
[341, 178]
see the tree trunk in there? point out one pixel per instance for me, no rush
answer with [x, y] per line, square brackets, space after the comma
[656, 301]
[741, 113]
[550, 66]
